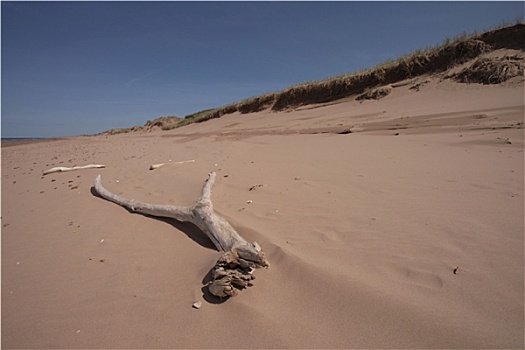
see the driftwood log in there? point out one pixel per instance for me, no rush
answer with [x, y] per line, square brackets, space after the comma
[233, 270]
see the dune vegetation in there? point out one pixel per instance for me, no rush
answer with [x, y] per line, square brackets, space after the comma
[375, 81]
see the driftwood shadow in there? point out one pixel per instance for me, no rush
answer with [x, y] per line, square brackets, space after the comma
[195, 234]
[189, 229]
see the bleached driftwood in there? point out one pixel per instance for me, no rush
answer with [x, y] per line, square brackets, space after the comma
[233, 270]
[63, 168]
[156, 166]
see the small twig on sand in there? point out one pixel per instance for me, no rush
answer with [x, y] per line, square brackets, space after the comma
[155, 166]
[63, 168]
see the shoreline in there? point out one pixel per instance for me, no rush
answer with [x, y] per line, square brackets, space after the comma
[25, 141]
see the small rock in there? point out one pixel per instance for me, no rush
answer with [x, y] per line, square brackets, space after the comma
[255, 187]
[249, 201]
[197, 305]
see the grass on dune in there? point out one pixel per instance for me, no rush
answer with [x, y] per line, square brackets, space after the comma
[452, 52]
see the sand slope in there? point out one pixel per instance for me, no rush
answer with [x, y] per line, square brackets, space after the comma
[363, 229]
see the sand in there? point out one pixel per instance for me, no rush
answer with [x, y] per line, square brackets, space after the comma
[404, 231]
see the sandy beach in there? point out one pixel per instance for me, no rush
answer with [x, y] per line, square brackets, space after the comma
[391, 223]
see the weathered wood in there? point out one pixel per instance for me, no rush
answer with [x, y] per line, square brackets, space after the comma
[233, 271]
[63, 168]
[156, 166]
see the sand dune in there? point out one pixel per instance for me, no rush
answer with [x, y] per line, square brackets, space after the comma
[391, 223]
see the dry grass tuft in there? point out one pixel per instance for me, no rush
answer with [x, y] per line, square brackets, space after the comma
[375, 94]
[490, 71]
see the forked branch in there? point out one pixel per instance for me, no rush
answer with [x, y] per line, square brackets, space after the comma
[233, 270]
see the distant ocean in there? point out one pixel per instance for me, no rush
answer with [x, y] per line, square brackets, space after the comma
[12, 141]
[22, 138]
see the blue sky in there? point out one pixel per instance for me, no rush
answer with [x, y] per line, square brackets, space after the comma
[72, 68]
